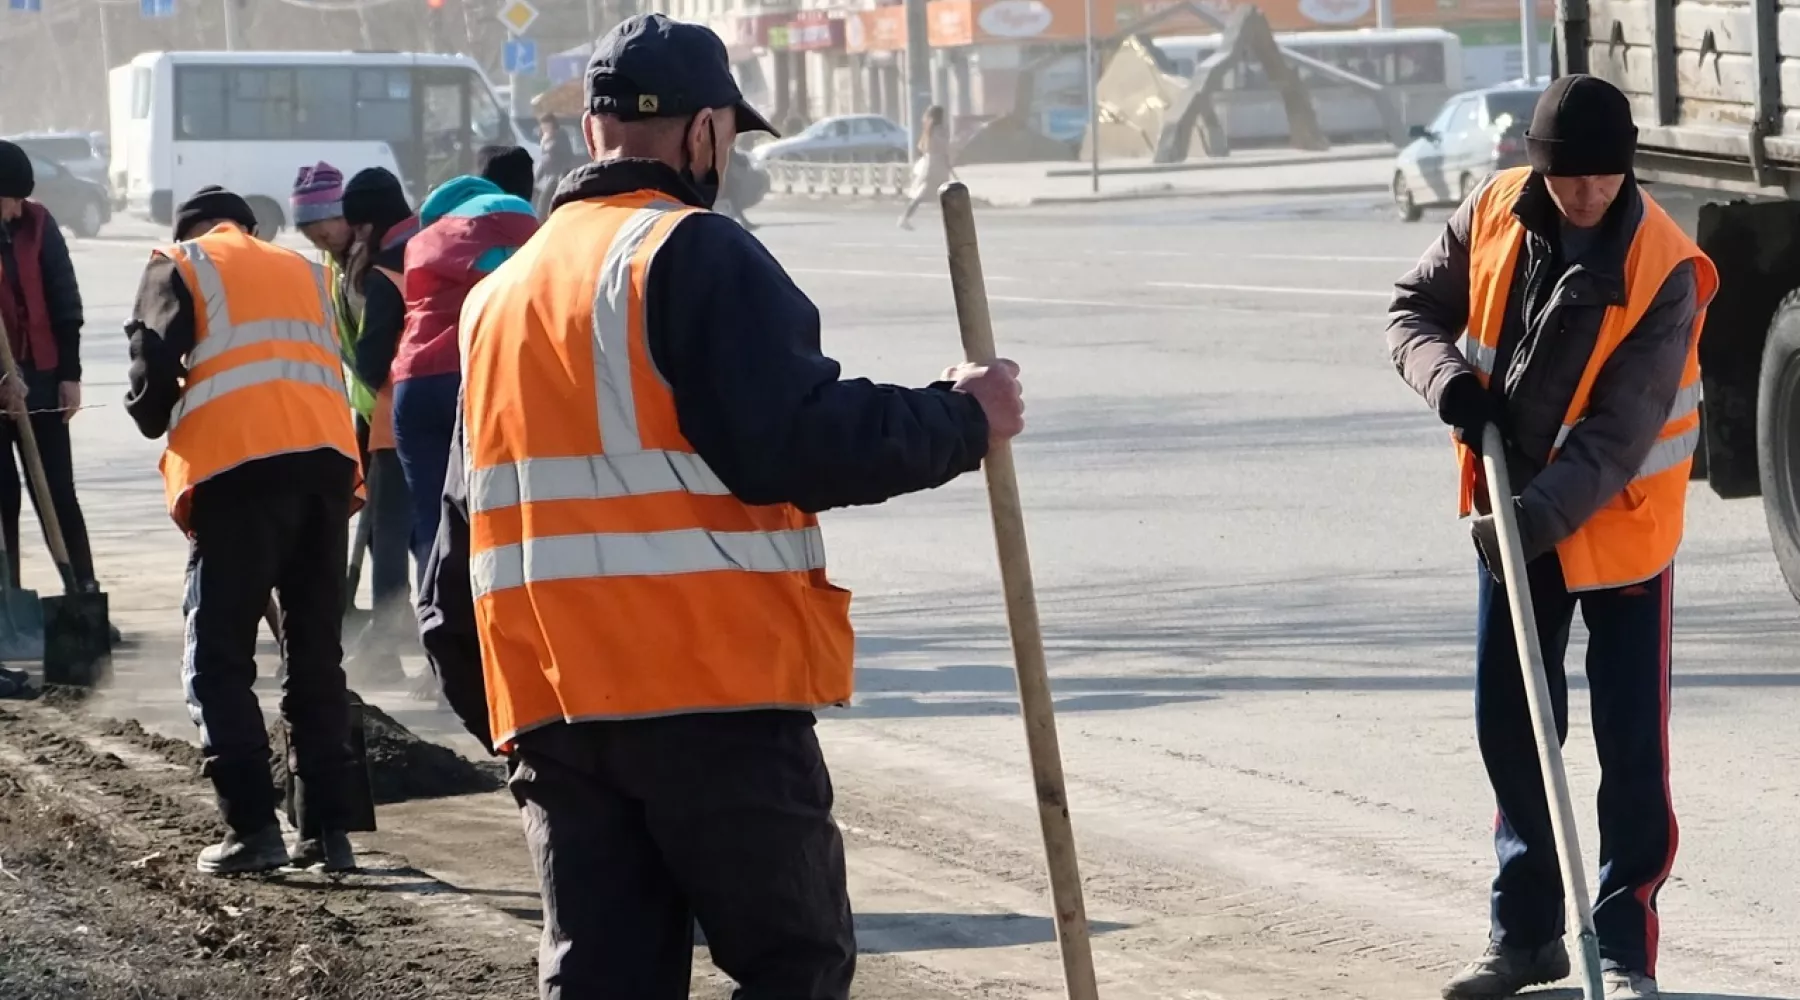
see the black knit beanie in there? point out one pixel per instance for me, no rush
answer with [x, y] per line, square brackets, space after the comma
[1581, 127]
[375, 197]
[16, 177]
[509, 167]
[212, 202]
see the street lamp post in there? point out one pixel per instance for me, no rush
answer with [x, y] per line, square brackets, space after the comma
[1093, 101]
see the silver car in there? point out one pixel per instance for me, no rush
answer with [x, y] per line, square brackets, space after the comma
[857, 138]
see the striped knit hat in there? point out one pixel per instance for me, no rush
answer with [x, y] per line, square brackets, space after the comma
[318, 194]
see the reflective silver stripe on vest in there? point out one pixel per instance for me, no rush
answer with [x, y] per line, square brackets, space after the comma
[1669, 453]
[1687, 400]
[597, 477]
[612, 332]
[222, 337]
[660, 553]
[1480, 355]
[212, 287]
[244, 376]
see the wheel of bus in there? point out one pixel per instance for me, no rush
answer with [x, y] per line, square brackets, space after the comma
[269, 219]
[1778, 437]
[1404, 205]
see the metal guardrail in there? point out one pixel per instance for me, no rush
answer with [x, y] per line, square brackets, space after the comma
[867, 180]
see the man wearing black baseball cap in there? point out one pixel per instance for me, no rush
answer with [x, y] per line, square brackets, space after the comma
[1583, 304]
[641, 616]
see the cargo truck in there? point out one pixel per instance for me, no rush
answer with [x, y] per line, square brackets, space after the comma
[1715, 89]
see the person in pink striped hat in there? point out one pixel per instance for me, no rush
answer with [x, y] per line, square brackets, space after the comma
[317, 210]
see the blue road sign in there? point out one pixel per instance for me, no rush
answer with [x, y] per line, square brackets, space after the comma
[156, 8]
[519, 55]
[32, 6]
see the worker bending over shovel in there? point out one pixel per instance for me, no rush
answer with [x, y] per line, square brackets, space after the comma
[235, 356]
[1583, 304]
[628, 550]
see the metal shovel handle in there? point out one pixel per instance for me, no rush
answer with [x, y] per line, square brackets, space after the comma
[1543, 715]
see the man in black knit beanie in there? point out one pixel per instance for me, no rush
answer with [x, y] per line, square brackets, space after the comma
[1583, 304]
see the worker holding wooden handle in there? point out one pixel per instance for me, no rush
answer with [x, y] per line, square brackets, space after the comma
[1583, 304]
[663, 756]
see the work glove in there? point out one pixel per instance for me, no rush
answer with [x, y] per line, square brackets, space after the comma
[1486, 532]
[1467, 406]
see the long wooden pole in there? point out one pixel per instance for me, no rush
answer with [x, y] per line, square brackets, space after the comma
[1543, 718]
[970, 289]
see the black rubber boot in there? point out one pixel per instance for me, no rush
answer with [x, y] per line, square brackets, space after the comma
[330, 852]
[262, 851]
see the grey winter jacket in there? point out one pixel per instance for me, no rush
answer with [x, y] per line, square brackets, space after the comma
[1553, 318]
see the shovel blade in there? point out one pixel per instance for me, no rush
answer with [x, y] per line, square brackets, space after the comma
[77, 639]
[21, 626]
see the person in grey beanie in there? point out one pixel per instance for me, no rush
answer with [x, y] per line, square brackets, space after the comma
[1583, 304]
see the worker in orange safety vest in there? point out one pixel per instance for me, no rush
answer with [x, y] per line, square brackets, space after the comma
[628, 592]
[234, 356]
[1583, 304]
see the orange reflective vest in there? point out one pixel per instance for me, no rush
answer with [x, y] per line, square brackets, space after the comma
[614, 574]
[263, 375]
[1634, 536]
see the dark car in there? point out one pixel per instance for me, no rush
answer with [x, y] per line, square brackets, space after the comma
[1474, 135]
[79, 205]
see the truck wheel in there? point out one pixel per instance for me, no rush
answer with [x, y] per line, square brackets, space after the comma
[1778, 437]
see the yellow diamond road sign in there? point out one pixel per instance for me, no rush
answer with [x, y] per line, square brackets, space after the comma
[517, 15]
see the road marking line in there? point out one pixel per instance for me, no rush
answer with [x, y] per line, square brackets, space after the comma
[1273, 289]
[1326, 258]
[847, 272]
[1192, 307]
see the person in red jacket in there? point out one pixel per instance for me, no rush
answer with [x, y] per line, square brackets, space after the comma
[40, 303]
[469, 226]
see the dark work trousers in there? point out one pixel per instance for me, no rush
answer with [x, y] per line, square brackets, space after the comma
[253, 534]
[424, 426]
[1628, 679]
[390, 505]
[52, 432]
[638, 829]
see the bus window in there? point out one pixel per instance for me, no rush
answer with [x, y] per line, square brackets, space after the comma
[142, 83]
[262, 104]
[485, 116]
[383, 104]
[1418, 63]
[324, 103]
[200, 102]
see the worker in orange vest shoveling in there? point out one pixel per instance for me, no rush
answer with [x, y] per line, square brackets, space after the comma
[646, 430]
[1583, 304]
[234, 355]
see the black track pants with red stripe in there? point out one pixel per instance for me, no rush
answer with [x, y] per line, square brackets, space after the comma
[1628, 680]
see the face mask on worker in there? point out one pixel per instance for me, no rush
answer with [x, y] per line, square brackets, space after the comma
[705, 184]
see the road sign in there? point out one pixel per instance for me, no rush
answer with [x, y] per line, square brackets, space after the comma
[518, 16]
[156, 8]
[32, 6]
[519, 55]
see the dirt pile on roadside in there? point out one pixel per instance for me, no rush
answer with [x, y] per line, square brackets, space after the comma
[402, 765]
[98, 899]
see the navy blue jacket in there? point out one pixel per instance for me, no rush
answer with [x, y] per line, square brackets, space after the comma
[738, 343]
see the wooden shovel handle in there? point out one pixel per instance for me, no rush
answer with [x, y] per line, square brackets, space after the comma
[34, 465]
[969, 287]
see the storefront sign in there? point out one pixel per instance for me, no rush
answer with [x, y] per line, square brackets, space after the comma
[752, 30]
[1017, 19]
[1308, 15]
[815, 30]
[880, 30]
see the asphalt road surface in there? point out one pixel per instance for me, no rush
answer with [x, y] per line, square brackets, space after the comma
[1258, 604]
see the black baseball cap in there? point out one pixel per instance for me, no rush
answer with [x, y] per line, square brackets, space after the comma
[652, 66]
